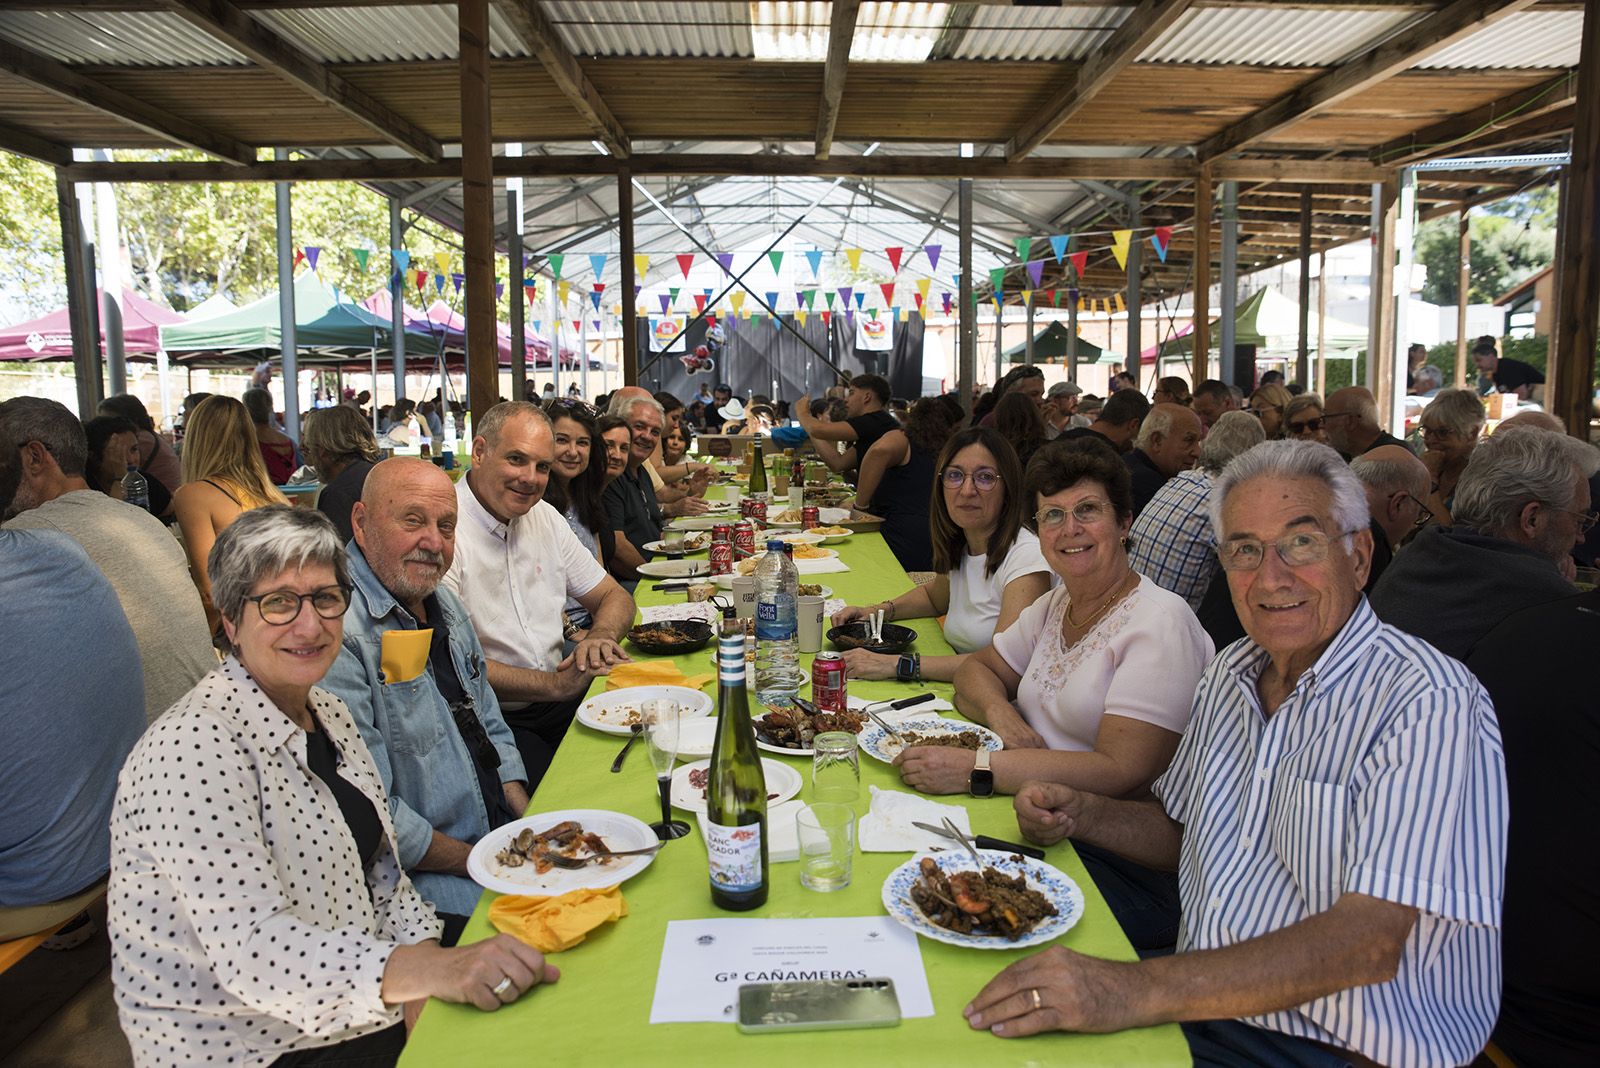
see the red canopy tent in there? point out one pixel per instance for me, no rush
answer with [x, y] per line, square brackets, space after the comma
[50, 337]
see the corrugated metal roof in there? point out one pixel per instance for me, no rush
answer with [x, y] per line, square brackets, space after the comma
[1291, 37]
[115, 38]
[1001, 33]
[378, 34]
[638, 29]
[1528, 39]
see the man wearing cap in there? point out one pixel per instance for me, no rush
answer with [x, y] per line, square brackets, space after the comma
[1060, 408]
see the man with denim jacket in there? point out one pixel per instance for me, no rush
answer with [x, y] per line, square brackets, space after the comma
[415, 679]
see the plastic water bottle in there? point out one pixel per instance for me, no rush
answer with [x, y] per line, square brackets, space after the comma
[778, 673]
[135, 490]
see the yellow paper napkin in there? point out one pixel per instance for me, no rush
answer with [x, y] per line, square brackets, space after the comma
[404, 653]
[654, 673]
[552, 924]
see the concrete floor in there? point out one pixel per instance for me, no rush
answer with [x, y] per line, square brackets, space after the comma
[59, 1011]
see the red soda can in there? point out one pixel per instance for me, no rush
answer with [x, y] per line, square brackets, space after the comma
[829, 690]
[744, 507]
[722, 549]
[810, 516]
[744, 539]
[758, 513]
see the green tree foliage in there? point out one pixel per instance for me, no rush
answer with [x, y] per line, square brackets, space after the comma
[1511, 239]
[32, 279]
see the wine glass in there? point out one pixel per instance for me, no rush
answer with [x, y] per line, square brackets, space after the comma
[660, 718]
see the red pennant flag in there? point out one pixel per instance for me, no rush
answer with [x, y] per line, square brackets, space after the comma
[1080, 260]
[699, 302]
[685, 261]
[918, 298]
[888, 293]
[299, 257]
[711, 318]
[1050, 295]
[827, 317]
[422, 279]
[894, 255]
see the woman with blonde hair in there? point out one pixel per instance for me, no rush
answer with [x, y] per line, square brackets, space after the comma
[223, 477]
[1268, 404]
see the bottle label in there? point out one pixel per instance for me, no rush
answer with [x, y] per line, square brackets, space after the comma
[730, 659]
[776, 620]
[735, 854]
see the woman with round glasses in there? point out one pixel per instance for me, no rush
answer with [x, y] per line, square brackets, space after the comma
[1092, 685]
[897, 475]
[1451, 424]
[1268, 404]
[987, 566]
[1303, 420]
[258, 910]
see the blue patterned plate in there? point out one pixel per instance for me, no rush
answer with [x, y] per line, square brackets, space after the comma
[1061, 892]
[878, 744]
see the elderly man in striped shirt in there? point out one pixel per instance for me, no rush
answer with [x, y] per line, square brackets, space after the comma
[1336, 813]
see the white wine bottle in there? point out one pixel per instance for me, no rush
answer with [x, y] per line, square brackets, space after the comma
[758, 475]
[736, 786]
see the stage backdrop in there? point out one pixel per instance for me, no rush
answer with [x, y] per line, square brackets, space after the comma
[761, 358]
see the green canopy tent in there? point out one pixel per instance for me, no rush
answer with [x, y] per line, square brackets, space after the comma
[1050, 346]
[1271, 322]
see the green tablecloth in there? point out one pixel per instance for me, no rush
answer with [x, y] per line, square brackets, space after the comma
[601, 1006]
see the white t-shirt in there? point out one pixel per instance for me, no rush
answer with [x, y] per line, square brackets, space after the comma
[975, 597]
[1143, 660]
[515, 577]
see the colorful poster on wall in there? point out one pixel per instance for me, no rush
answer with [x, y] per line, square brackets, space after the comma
[662, 333]
[875, 334]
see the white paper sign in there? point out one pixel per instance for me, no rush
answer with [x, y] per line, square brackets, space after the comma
[704, 962]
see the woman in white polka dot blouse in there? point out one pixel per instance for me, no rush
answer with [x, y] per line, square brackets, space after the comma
[258, 912]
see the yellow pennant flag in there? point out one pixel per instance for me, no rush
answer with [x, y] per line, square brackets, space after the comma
[641, 264]
[737, 300]
[562, 289]
[922, 287]
[905, 315]
[800, 315]
[441, 262]
[1081, 306]
[854, 256]
[1119, 246]
[1026, 293]
[1120, 306]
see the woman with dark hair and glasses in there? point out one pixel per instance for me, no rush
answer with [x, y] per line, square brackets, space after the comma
[987, 567]
[258, 910]
[897, 475]
[577, 477]
[1092, 685]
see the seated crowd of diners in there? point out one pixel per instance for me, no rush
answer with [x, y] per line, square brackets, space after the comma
[1308, 705]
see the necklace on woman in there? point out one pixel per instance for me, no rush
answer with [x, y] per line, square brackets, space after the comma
[1115, 592]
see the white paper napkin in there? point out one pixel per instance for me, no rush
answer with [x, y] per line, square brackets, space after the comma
[704, 611]
[783, 838]
[886, 828]
[824, 566]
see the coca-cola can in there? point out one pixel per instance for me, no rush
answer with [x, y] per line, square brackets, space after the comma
[810, 516]
[722, 549]
[744, 507]
[744, 539]
[829, 689]
[758, 512]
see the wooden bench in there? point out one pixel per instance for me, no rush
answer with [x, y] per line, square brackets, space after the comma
[15, 949]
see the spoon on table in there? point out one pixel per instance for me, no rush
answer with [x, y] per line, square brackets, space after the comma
[637, 729]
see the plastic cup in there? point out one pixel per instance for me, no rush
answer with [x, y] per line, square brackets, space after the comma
[835, 768]
[744, 596]
[827, 845]
[809, 608]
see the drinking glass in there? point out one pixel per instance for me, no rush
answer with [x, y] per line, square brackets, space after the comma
[827, 845]
[835, 768]
[661, 734]
[673, 536]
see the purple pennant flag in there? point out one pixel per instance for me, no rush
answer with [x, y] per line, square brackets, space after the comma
[597, 322]
[459, 280]
[933, 255]
[844, 293]
[312, 252]
[945, 297]
[666, 302]
[499, 290]
[849, 315]
[814, 257]
[1036, 271]
[726, 260]
[637, 289]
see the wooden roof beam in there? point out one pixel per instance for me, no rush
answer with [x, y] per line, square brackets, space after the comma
[1143, 26]
[539, 35]
[1422, 38]
[841, 32]
[1514, 110]
[24, 143]
[43, 72]
[1544, 128]
[267, 48]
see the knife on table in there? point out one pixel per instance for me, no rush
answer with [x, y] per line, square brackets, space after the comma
[983, 841]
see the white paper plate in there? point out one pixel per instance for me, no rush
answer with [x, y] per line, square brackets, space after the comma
[675, 568]
[696, 738]
[782, 781]
[690, 544]
[875, 741]
[610, 712]
[801, 537]
[696, 522]
[1061, 891]
[828, 517]
[620, 832]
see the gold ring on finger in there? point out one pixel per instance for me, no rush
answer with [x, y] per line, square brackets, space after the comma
[1038, 1002]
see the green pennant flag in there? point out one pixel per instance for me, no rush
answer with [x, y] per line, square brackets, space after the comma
[997, 278]
[828, 296]
[556, 260]
[672, 294]
[361, 255]
[776, 259]
[1023, 245]
[811, 299]
[1056, 297]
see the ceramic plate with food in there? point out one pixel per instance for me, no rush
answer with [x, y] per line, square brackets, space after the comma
[789, 731]
[524, 856]
[696, 542]
[831, 533]
[674, 568]
[616, 711]
[790, 517]
[1014, 902]
[928, 730]
[689, 784]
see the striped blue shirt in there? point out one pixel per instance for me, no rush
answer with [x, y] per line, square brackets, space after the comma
[1381, 774]
[1173, 543]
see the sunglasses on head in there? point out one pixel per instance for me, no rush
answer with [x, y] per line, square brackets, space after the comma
[572, 404]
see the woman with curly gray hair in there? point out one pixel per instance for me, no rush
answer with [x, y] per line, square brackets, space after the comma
[1451, 424]
[259, 913]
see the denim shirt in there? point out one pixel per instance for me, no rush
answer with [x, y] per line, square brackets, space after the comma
[426, 768]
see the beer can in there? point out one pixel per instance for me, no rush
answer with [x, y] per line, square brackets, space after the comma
[722, 549]
[810, 516]
[829, 690]
[744, 539]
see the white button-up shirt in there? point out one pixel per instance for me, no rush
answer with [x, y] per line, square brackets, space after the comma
[515, 577]
[1381, 774]
[243, 925]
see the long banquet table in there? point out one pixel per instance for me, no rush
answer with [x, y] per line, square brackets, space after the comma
[600, 1008]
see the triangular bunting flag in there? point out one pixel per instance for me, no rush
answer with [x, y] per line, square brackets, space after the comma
[997, 279]
[700, 302]
[577, 326]
[685, 261]
[438, 283]
[562, 289]
[814, 257]
[800, 316]
[827, 317]
[1036, 271]
[922, 287]
[919, 299]
[458, 280]
[361, 255]
[725, 261]
[903, 314]
[421, 278]
[933, 255]
[597, 263]
[945, 299]
[672, 295]
[1058, 245]
[641, 264]
[859, 297]
[1054, 297]
[1023, 244]
[887, 289]
[530, 292]
[776, 259]
[737, 300]
[499, 291]
[299, 256]
[400, 258]
[666, 302]
[594, 298]
[894, 255]
[1119, 246]
[772, 300]
[1120, 305]
[538, 327]
[557, 261]
[312, 252]
[441, 262]
[1162, 240]
[1027, 294]
[1080, 260]
[872, 313]
[853, 257]
[599, 287]
[844, 293]
[829, 298]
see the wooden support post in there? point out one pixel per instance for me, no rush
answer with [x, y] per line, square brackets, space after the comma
[287, 318]
[1463, 289]
[1028, 342]
[1303, 358]
[1578, 301]
[80, 300]
[1322, 325]
[1135, 299]
[967, 358]
[630, 309]
[397, 312]
[477, 203]
[1380, 340]
[1228, 358]
[1072, 326]
[515, 275]
[1200, 336]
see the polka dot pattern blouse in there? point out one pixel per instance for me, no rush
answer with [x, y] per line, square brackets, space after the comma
[242, 923]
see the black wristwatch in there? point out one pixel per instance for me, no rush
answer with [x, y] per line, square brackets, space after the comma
[981, 783]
